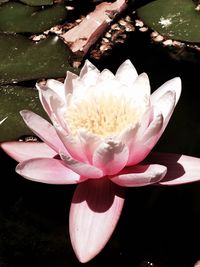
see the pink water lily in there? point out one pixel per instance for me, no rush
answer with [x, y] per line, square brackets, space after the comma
[103, 129]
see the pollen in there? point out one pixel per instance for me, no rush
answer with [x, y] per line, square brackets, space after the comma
[102, 115]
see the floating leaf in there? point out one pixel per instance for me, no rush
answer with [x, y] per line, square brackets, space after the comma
[3, 1]
[174, 19]
[12, 100]
[37, 2]
[22, 59]
[17, 17]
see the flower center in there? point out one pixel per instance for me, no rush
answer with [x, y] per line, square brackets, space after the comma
[102, 115]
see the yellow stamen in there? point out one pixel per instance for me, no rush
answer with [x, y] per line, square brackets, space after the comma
[102, 115]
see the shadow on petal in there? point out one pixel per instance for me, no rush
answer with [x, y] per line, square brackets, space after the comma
[98, 193]
[94, 213]
[181, 169]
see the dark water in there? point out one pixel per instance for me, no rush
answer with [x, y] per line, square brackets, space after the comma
[158, 226]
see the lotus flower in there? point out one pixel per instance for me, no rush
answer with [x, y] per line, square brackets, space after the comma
[103, 128]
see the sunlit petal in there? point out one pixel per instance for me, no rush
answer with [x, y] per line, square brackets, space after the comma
[95, 210]
[21, 151]
[111, 157]
[140, 175]
[126, 73]
[45, 170]
[84, 169]
[43, 129]
[171, 85]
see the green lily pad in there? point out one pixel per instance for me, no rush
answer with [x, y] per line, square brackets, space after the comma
[37, 2]
[12, 100]
[32, 2]
[18, 18]
[174, 19]
[22, 59]
[3, 1]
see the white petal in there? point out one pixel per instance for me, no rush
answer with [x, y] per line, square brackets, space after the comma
[69, 82]
[141, 148]
[106, 75]
[57, 87]
[171, 85]
[126, 73]
[89, 142]
[166, 104]
[89, 73]
[111, 157]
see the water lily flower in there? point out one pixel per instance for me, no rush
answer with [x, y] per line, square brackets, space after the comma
[103, 129]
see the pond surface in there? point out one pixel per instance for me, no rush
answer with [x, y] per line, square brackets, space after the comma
[159, 226]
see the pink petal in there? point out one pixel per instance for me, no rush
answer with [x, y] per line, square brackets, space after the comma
[21, 151]
[82, 146]
[171, 85]
[73, 146]
[140, 175]
[43, 129]
[126, 73]
[85, 170]
[49, 171]
[111, 157]
[132, 135]
[95, 210]
[46, 95]
[181, 169]
[53, 104]
[145, 142]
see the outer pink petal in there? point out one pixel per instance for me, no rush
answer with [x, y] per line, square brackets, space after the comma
[111, 157]
[181, 169]
[95, 210]
[53, 104]
[84, 169]
[126, 73]
[49, 171]
[140, 175]
[43, 129]
[46, 95]
[21, 151]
